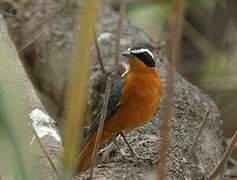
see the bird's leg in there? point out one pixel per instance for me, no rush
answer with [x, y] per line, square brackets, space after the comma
[108, 149]
[129, 147]
[138, 158]
[122, 152]
[105, 151]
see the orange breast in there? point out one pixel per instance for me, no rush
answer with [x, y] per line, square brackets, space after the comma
[141, 97]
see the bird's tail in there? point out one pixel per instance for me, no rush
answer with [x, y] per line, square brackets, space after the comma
[84, 160]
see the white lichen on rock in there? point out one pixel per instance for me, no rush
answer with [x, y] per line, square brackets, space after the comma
[43, 124]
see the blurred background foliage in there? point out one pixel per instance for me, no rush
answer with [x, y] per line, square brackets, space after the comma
[209, 45]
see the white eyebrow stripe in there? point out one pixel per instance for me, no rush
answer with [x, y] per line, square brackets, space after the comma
[136, 51]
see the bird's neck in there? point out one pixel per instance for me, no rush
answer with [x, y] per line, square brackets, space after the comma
[138, 67]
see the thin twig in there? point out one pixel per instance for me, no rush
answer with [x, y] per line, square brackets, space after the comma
[119, 31]
[108, 85]
[154, 42]
[57, 172]
[173, 54]
[32, 41]
[233, 161]
[232, 175]
[199, 132]
[9, 14]
[101, 124]
[99, 54]
[224, 158]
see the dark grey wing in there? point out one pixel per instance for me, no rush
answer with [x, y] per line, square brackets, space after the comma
[115, 97]
[113, 105]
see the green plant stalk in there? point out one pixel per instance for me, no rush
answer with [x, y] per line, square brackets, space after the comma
[11, 140]
[76, 98]
[15, 108]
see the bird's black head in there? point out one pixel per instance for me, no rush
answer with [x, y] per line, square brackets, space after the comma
[145, 55]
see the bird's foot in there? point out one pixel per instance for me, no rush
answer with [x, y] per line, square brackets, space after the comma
[106, 152]
[133, 152]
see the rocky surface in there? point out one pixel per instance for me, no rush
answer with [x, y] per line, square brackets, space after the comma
[48, 60]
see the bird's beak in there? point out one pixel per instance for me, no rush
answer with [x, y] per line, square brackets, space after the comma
[126, 53]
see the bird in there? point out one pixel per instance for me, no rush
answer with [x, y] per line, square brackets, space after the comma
[133, 101]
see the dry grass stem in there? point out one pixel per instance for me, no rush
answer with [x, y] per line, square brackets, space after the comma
[173, 53]
[99, 54]
[199, 132]
[101, 124]
[10, 15]
[154, 42]
[231, 176]
[220, 166]
[119, 31]
[57, 172]
[32, 41]
[109, 81]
